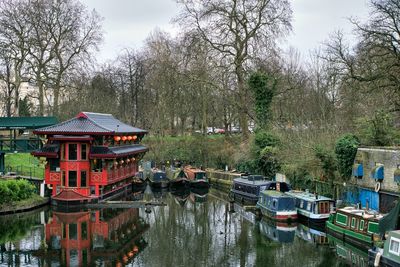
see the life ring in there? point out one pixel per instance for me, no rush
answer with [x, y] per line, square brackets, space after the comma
[377, 186]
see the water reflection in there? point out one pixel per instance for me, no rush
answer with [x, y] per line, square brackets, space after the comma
[277, 231]
[348, 253]
[195, 228]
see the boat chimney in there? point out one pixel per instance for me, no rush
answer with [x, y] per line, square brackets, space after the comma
[316, 195]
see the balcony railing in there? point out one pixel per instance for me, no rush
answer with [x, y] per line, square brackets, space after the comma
[111, 176]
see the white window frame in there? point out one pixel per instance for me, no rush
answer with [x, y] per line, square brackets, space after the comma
[398, 247]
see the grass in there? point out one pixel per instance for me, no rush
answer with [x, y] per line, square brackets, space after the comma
[24, 164]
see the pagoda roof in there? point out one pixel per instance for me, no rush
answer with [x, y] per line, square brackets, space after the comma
[49, 150]
[91, 123]
[118, 151]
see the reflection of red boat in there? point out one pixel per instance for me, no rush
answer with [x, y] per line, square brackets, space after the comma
[113, 236]
[196, 177]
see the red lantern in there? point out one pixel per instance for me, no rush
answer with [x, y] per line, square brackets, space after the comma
[134, 137]
[121, 162]
[117, 138]
[133, 159]
[124, 138]
[127, 160]
[130, 138]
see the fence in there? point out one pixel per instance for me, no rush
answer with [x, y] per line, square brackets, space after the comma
[31, 172]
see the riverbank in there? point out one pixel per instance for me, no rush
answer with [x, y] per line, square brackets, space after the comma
[32, 203]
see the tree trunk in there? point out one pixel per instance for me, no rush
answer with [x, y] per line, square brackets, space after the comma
[242, 102]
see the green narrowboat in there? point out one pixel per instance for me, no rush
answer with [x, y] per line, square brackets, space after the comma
[359, 227]
[349, 254]
[389, 255]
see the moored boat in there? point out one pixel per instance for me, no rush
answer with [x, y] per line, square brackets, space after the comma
[197, 177]
[158, 179]
[246, 189]
[179, 179]
[312, 207]
[356, 226]
[277, 205]
[389, 255]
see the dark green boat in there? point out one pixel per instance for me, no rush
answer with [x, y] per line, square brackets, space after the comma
[359, 227]
[179, 180]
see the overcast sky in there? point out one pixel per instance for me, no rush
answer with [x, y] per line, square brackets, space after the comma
[127, 23]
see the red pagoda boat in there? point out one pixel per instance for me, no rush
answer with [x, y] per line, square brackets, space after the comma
[89, 158]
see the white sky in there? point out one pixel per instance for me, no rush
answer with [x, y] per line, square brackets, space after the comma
[127, 23]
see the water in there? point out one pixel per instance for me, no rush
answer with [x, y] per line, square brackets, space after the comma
[191, 230]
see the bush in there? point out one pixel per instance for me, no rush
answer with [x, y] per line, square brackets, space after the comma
[15, 190]
[346, 150]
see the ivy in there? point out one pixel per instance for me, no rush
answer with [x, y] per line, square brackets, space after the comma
[346, 150]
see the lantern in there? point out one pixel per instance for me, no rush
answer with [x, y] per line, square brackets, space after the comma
[130, 138]
[124, 138]
[95, 161]
[115, 163]
[117, 138]
[134, 137]
[121, 162]
[133, 159]
[135, 249]
[127, 160]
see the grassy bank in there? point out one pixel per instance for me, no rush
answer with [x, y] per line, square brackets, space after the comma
[24, 164]
[33, 201]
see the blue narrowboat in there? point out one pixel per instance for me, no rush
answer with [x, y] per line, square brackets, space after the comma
[246, 189]
[313, 207]
[158, 179]
[277, 205]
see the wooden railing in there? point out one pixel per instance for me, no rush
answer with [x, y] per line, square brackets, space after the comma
[111, 176]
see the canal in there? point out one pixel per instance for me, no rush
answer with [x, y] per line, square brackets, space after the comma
[192, 229]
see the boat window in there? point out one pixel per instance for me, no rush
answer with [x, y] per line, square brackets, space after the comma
[394, 246]
[362, 225]
[309, 206]
[274, 203]
[353, 222]
[302, 204]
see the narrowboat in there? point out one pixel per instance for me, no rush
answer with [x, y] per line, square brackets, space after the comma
[389, 255]
[158, 179]
[179, 179]
[357, 226]
[312, 207]
[197, 177]
[277, 205]
[138, 182]
[246, 189]
[278, 231]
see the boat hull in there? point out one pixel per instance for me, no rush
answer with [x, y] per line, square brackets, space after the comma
[199, 184]
[179, 182]
[346, 235]
[243, 198]
[124, 190]
[384, 261]
[282, 216]
[159, 184]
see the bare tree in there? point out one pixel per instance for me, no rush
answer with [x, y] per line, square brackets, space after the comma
[14, 32]
[235, 29]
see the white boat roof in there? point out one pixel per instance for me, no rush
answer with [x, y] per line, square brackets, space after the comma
[367, 214]
[307, 196]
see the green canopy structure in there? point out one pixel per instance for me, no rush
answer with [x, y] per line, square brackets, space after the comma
[390, 221]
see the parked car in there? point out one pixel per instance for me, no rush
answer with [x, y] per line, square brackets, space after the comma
[219, 131]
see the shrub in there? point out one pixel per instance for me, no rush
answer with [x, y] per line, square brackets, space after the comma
[15, 190]
[346, 150]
